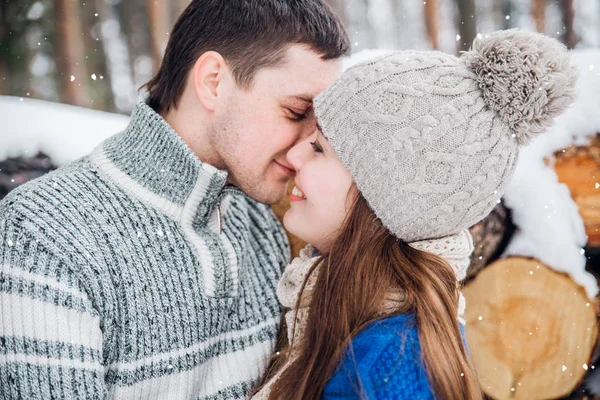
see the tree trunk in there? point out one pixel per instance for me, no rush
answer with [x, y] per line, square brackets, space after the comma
[467, 23]
[159, 17]
[127, 11]
[3, 47]
[507, 9]
[100, 89]
[182, 6]
[431, 22]
[71, 60]
[538, 13]
[531, 330]
[568, 14]
[14, 53]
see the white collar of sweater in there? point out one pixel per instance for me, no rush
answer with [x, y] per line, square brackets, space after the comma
[455, 249]
[152, 160]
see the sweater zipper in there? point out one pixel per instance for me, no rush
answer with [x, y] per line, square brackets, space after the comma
[227, 190]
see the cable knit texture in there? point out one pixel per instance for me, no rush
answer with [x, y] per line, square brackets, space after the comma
[431, 140]
[383, 360]
[120, 279]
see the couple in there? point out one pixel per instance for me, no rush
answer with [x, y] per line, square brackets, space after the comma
[154, 268]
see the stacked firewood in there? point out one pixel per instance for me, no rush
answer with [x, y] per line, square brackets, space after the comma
[532, 331]
[16, 171]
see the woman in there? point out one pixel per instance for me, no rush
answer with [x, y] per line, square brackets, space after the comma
[411, 150]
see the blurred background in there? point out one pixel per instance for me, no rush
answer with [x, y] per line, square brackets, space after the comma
[97, 53]
[532, 288]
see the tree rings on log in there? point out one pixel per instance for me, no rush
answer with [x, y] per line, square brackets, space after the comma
[530, 330]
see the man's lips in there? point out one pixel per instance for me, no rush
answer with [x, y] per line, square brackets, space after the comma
[286, 170]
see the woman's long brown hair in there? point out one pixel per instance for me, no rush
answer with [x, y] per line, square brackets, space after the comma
[364, 263]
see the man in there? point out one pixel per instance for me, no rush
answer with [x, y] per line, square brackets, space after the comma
[148, 269]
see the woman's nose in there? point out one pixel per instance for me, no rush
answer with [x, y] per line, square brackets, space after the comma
[297, 154]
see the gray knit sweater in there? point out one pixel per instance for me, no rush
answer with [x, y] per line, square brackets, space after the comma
[136, 273]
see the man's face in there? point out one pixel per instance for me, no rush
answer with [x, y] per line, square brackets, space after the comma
[256, 127]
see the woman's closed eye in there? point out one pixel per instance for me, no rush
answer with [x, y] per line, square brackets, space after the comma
[297, 115]
[316, 147]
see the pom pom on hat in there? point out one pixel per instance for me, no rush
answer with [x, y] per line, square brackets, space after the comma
[525, 77]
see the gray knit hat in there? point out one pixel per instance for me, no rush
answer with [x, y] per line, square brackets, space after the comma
[431, 139]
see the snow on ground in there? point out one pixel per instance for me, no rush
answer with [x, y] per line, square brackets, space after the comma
[63, 132]
[549, 225]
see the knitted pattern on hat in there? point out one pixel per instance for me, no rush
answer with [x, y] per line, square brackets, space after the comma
[119, 278]
[431, 140]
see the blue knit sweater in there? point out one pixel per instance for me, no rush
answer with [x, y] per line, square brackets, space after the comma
[387, 360]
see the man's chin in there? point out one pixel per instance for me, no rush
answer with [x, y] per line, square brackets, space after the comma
[266, 194]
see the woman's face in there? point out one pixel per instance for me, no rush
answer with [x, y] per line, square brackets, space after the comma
[323, 194]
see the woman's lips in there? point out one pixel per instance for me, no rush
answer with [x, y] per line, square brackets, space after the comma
[297, 194]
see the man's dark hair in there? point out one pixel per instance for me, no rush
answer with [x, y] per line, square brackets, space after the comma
[249, 34]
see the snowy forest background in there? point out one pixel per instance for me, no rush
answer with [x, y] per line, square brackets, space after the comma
[97, 53]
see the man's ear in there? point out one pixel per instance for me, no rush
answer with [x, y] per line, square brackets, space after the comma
[209, 71]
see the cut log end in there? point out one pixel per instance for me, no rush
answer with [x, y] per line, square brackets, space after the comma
[531, 331]
[579, 168]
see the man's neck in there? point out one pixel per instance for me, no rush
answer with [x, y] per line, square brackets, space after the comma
[193, 130]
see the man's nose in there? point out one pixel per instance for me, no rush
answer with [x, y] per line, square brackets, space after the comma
[294, 155]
